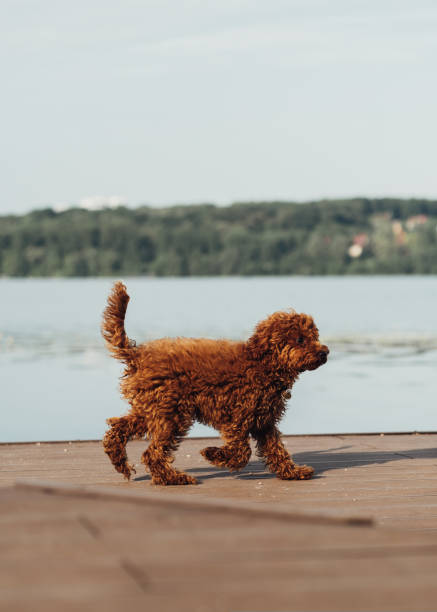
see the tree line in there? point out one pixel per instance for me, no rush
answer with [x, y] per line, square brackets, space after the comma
[391, 236]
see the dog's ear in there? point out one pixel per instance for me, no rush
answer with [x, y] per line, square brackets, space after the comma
[264, 336]
[258, 344]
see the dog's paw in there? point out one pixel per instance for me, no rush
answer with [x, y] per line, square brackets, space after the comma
[214, 455]
[185, 479]
[296, 472]
[179, 478]
[127, 469]
[217, 456]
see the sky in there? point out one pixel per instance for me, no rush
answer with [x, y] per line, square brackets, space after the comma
[185, 101]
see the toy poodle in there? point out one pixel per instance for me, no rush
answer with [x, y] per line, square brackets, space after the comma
[239, 388]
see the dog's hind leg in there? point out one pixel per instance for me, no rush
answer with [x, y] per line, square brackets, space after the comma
[158, 457]
[277, 458]
[115, 439]
[235, 453]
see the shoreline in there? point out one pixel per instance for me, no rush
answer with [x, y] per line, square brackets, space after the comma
[217, 437]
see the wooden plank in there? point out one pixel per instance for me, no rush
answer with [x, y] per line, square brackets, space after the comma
[106, 553]
[375, 476]
[278, 512]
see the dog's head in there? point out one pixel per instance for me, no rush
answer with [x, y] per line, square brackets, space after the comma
[290, 341]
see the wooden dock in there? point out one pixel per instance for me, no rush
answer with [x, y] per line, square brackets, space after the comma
[362, 535]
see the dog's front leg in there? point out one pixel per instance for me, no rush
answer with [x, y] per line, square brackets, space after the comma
[277, 458]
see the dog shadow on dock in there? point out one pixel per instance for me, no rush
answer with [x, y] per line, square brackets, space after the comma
[333, 459]
[323, 461]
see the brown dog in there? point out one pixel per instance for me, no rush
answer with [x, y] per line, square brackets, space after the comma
[239, 388]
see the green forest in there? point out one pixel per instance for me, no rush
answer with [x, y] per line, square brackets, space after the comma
[356, 236]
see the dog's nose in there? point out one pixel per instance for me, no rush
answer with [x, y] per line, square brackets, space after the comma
[323, 353]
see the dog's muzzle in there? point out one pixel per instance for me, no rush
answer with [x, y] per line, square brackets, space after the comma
[323, 354]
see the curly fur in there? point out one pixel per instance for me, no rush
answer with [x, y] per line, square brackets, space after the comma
[239, 388]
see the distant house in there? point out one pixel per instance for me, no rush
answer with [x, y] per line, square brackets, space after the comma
[355, 250]
[412, 222]
[359, 242]
[361, 239]
[399, 232]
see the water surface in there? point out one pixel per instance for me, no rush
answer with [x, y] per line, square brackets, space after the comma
[58, 381]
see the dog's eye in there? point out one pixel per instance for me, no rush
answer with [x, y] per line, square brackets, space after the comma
[300, 340]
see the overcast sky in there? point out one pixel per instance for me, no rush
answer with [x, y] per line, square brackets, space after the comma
[190, 101]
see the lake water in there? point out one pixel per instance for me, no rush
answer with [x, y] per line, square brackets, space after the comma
[58, 382]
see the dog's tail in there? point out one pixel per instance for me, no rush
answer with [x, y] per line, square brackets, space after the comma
[113, 325]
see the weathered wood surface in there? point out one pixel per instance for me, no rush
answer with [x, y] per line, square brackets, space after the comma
[62, 552]
[234, 542]
[391, 478]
